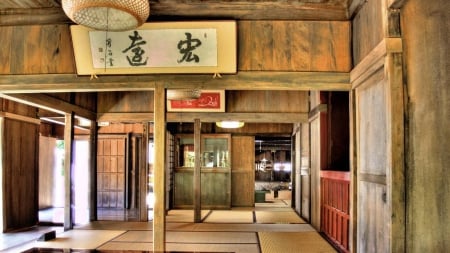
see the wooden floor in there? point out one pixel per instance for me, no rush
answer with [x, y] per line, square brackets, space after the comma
[237, 230]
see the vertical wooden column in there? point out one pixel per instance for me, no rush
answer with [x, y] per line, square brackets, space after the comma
[396, 176]
[68, 184]
[143, 174]
[93, 171]
[353, 236]
[197, 172]
[159, 170]
[2, 174]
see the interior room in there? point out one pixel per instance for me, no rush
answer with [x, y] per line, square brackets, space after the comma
[224, 126]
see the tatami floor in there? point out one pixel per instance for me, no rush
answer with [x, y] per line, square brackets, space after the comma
[267, 228]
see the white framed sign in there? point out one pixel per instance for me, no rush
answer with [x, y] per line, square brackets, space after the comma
[165, 47]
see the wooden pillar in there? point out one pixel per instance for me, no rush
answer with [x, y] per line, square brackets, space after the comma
[68, 182]
[197, 172]
[2, 174]
[143, 174]
[396, 177]
[93, 171]
[353, 236]
[159, 217]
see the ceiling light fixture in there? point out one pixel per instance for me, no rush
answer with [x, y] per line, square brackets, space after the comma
[230, 124]
[107, 15]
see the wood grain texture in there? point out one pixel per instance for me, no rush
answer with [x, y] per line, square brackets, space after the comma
[20, 167]
[294, 46]
[267, 101]
[244, 80]
[38, 50]
[368, 29]
[426, 41]
[242, 171]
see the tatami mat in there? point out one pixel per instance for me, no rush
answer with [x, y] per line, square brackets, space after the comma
[293, 242]
[245, 242]
[190, 237]
[80, 239]
[226, 216]
[183, 247]
[278, 217]
[118, 225]
[178, 215]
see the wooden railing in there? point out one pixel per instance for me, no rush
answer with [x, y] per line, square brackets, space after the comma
[335, 207]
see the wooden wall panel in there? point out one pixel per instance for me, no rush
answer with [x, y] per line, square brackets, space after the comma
[367, 28]
[133, 101]
[5, 53]
[425, 25]
[242, 171]
[17, 108]
[373, 217]
[266, 101]
[373, 155]
[43, 49]
[20, 168]
[111, 174]
[294, 46]
[114, 128]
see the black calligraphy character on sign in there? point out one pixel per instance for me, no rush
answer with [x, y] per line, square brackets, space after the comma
[136, 42]
[186, 47]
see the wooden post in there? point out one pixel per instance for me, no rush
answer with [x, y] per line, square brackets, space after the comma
[2, 174]
[159, 217]
[396, 176]
[143, 175]
[353, 236]
[68, 185]
[93, 171]
[197, 172]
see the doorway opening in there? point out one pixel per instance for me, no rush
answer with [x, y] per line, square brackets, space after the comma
[273, 169]
[51, 181]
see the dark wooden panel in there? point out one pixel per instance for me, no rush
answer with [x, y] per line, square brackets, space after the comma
[215, 188]
[183, 188]
[17, 108]
[367, 28]
[267, 101]
[294, 46]
[125, 101]
[20, 191]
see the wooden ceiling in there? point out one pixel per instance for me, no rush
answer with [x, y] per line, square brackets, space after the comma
[29, 12]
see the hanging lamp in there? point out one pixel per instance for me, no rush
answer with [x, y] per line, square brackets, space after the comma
[107, 15]
[230, 124]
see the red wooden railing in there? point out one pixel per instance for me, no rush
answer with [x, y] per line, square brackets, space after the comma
[335, 207]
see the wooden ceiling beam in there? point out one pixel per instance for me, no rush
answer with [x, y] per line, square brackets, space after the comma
[51, 104]
[243, 80]
[206, 117]
[251, 10]
[179, 10]
[33, 16]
